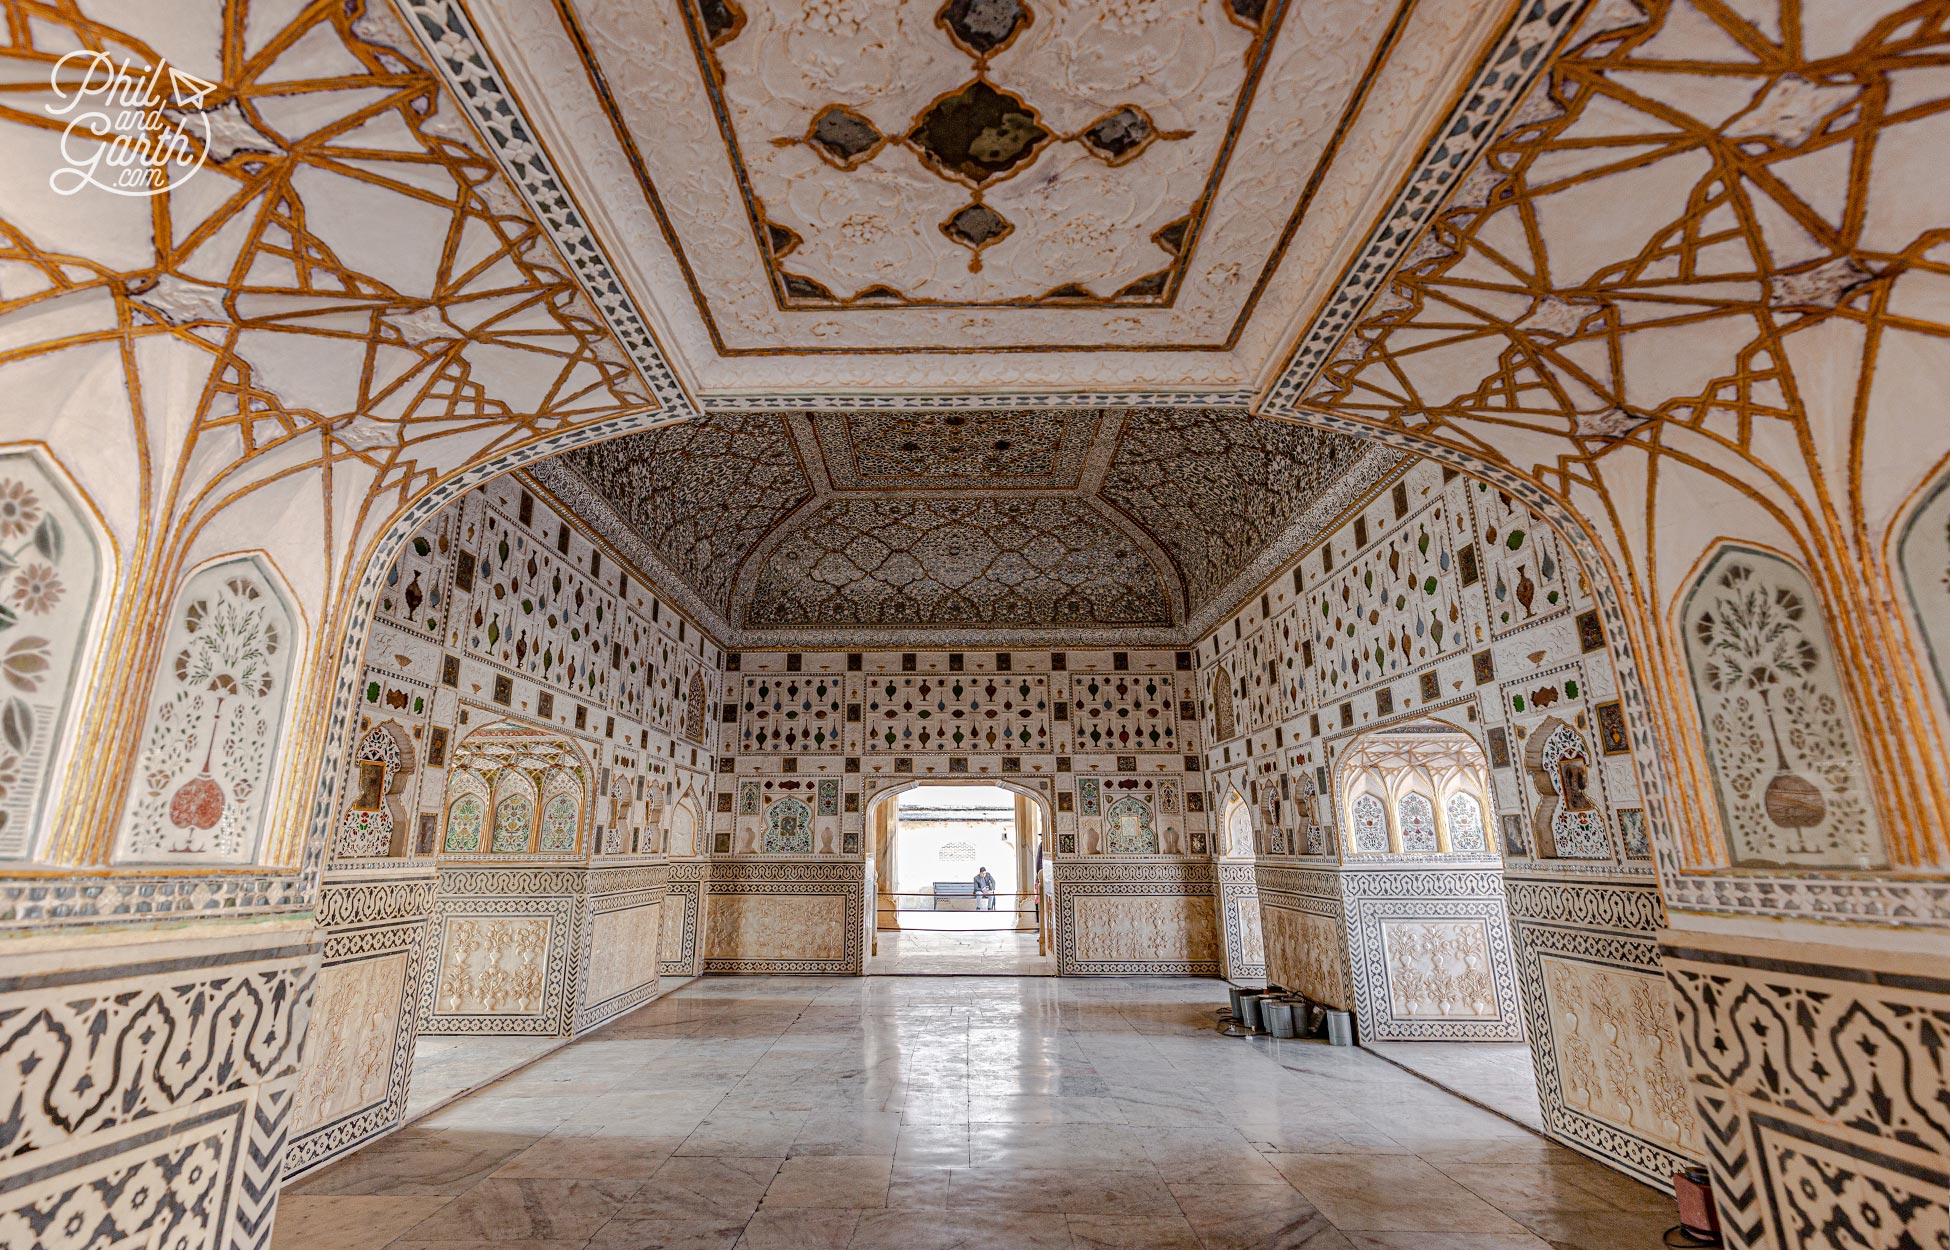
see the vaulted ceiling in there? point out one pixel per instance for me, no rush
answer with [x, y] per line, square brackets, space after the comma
[1132, 524]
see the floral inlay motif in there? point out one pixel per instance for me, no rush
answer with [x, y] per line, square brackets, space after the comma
[788, 828]
[464, 820]
[210, 739]
[514, 821]
[1370, 823]
[1417, 816]
[1787, 772]
[1466, 834]
[48, 571]
[1128, 829]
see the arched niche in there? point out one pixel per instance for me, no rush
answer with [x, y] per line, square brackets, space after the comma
[373, 823]
[1787, 768]
[1238, 827]
[1223, 721]
[684, 826]
[788, 828]
[53, 567]
[1129, 827]
[206, 768]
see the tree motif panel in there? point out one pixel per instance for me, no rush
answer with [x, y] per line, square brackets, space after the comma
[209, 743]
[514, 819]
[994, 711]
[465, 816]
[1466, 834]
[1787, 771]
[1368, 819]
[792, 714]
[1417, 817]
[1128, 829]
[50, 566]
[788, 828]
[1123, 712]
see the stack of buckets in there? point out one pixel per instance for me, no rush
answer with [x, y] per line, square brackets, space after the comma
[1283, 1015]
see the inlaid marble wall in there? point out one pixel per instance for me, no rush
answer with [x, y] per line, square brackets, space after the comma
[1104, 742]
[1439, 601]
[157, 1090]
[365, 1012]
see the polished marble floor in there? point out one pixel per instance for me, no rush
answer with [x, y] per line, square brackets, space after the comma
[958, 951]
[444, 1067]
[1498, 1075]
[921, 1113]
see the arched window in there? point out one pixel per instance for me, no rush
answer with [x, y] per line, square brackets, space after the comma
[1128, 829]
[1417, 817]
[216, 714]
[1370, 820]
[50, 574]
[788, 828]
[1466, 834]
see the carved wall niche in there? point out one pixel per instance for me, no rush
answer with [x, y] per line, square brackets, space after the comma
[203, 781]
[1568, 822]
[51, 572]
[374, 821]
[1779, 736]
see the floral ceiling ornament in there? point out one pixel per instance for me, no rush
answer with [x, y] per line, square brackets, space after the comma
[976, 129]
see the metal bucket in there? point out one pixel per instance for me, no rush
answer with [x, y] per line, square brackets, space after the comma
[1235, 993]
[1249, 1004]
[1278, 1015]
[1340, 1028]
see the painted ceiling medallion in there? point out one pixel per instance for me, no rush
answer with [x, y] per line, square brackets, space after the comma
[982, 27]
[997, 154]
[978, 134]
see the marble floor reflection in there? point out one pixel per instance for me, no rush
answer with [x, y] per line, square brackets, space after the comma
[444, 1067]
[958, 951]
[917, 1113]
[1497, 1075]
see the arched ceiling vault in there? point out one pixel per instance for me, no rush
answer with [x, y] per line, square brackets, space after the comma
[1113, 524]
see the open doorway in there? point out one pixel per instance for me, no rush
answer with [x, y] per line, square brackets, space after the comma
[958, 881]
